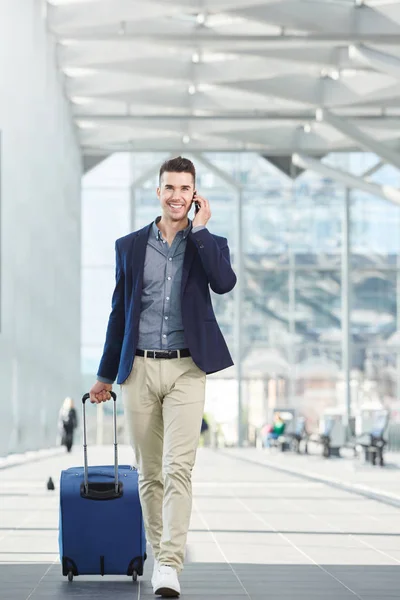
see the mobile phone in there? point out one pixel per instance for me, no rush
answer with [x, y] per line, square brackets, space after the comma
[196, 204]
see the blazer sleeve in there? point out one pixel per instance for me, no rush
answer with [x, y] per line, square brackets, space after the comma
[109, 363]
[216, 261]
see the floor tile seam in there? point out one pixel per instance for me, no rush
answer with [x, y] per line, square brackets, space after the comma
[367, 544]
[309, 558]
[338, 530]
[40, 580]
[356, 489]
[220, 549]
[25, 521]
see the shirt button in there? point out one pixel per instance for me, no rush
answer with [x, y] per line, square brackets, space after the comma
[169, 278]
[166, 318]
[164, 336]
[170, 259]
[167, 298]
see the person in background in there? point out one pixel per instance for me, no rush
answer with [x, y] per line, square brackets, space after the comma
[67, 423]
[204, 432]
[274, 431]
[204, 425]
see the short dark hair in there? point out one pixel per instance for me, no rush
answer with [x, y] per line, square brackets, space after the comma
[178, 165]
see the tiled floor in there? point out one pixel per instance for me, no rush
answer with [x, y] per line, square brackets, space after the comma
[347, 470]
[255, 533]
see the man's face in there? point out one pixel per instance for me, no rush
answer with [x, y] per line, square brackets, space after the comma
[176, 195]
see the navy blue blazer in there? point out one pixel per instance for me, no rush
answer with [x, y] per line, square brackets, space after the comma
[206, 264]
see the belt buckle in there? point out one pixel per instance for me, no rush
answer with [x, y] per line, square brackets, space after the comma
[161, 354]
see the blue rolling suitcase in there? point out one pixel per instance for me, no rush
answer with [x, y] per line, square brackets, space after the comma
[101, 526]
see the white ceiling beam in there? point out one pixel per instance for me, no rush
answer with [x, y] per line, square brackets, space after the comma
[174, 143]
[203, 35]
[204, 6]
[385, 192]
[362, 139]
[104, 12]
[222, 116]
[174, 148]
[324, 15]
[386, 63]
[229, 115]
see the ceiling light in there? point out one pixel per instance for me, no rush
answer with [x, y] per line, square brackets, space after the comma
[195, 57]
[359, 2]
[192, 89]
[319, 115]
[78, 71]
[81, 100]
[307, 128]
[201, 18]
[185, 139]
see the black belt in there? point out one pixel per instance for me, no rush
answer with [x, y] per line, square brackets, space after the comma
[164, 353]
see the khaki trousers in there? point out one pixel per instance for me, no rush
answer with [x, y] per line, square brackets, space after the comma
[164, 403]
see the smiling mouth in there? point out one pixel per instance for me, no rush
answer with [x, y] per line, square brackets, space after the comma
[175, 205]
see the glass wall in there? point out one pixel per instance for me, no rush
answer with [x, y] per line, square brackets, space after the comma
[292, 279]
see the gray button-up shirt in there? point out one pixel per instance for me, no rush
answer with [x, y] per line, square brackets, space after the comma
[161, 326]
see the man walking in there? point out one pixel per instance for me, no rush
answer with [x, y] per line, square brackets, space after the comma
[162, 340]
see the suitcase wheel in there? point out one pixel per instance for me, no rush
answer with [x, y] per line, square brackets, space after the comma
[70, 575]
[134, 576]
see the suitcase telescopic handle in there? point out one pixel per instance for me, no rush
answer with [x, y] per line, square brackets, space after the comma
[85, 459]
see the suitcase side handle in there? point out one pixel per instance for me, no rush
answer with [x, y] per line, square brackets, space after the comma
[85, 459]
[102, 490]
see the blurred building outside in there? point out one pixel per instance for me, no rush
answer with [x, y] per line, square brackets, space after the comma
[292, 266]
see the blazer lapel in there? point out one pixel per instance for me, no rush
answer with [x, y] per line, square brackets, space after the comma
[138, 257]
[190, 253]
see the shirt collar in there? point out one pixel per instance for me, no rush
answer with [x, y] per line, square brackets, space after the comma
[183, 233]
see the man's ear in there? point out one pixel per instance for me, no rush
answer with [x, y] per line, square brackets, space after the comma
[158, 192]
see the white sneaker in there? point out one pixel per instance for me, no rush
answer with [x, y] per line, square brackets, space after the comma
[155, 570]
[165, 582]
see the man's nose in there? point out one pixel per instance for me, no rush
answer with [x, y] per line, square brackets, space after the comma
[177, 196]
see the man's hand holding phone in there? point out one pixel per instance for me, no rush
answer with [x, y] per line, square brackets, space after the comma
[203, 215]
